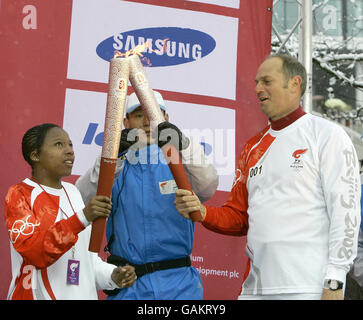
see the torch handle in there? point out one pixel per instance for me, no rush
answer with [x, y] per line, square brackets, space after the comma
[104, 188]
[177, 169]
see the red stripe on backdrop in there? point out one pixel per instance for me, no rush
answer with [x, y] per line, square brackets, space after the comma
[32, 82]
[193, 6]
[168, 95]
[199, 99]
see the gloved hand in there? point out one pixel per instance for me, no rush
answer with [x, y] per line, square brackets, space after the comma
[124, 142]
[169, 133]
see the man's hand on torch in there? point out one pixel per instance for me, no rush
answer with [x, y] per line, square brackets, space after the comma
[187, 202]
[124, 276]
[169, 133]
[98, 206]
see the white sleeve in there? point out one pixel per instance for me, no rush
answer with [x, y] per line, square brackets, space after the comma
[82, 218]
[87, 183]
[339, 170]
[103, 272]
[77, 202]
[202, 175]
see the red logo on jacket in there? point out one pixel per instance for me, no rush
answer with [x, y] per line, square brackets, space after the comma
[297, 153]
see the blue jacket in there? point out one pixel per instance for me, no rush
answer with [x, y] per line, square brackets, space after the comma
[148, 228]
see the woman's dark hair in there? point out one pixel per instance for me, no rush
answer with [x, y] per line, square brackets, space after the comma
[33, 140]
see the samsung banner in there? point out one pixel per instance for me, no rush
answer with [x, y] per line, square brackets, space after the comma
[197, 47]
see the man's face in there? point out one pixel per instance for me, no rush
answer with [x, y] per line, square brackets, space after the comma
[272, 89]
[137, 119]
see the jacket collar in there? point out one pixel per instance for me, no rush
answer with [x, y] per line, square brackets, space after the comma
[287, 120]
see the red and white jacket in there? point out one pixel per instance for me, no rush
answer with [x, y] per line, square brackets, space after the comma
[296, 196]
[46, 229]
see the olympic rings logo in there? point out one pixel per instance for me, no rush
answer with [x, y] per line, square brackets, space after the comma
[19, 228]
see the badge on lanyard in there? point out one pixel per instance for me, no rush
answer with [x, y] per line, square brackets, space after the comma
[73, 272]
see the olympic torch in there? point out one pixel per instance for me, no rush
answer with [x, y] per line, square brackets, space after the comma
[152, 110]
[116, 97]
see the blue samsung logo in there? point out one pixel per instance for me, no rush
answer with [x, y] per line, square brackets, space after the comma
[183, 45]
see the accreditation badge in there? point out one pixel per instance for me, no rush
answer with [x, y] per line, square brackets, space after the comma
[73, 272]
[167, 187]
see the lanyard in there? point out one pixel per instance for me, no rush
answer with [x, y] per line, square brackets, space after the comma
[65, 191]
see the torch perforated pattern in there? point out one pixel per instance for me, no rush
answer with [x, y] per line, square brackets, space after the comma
[143, 90]
[118, 80]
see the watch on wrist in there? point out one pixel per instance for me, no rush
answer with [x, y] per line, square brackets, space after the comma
[332, 284]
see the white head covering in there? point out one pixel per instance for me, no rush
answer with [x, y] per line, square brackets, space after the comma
[133, 102]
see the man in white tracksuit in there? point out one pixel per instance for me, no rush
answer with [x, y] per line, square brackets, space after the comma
[296, 196]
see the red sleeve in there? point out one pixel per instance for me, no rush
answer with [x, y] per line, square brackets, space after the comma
[33, 231]
[232, 217]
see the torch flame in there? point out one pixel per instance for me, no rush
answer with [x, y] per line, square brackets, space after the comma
[140, 48]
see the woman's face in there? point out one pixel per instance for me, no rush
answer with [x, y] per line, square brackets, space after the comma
[56, 156]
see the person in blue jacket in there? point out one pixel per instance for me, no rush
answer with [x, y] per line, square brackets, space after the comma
[144, 228]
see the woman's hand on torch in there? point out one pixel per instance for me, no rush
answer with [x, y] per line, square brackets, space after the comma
[187, 202]
[98, 206]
